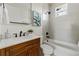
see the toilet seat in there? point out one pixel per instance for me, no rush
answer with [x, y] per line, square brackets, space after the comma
[47, 50]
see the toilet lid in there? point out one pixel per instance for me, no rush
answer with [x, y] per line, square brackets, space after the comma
[47, 49]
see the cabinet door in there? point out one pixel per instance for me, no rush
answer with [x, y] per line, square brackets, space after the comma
[17, 50]
[33, 50]
[21, 53]
[2, 52]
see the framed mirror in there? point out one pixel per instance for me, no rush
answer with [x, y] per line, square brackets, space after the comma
[19, 13]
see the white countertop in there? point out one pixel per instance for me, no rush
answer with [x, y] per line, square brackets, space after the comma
[13, 41]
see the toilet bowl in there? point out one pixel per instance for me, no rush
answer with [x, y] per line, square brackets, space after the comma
[47, 50]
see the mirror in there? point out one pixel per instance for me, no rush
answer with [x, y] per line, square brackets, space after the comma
[19, 13]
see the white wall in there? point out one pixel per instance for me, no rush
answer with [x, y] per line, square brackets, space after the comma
[65, 27]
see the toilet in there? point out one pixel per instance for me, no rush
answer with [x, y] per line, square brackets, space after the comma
[47, 50]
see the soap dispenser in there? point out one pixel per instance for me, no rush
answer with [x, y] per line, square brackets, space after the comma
[7, 34]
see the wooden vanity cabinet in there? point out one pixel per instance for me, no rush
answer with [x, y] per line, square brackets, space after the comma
[30, 48]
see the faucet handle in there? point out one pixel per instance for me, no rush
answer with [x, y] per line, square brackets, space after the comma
[15, 34]
[24, 33]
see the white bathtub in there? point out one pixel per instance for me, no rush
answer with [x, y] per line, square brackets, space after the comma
[62, 48]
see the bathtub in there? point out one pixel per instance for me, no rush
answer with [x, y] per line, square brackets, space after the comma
[62, 48]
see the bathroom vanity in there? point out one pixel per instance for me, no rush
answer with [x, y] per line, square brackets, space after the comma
[25, 47]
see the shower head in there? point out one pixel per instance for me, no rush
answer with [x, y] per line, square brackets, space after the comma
[49, 12]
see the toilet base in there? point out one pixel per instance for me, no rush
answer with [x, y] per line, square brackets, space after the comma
[47, 50]
[49, 55]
